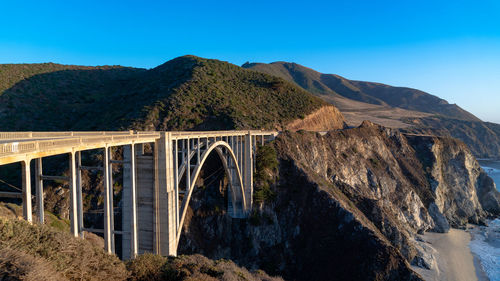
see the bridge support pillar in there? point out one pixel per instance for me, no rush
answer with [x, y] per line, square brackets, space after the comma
[79, 195]
[248, 172]
[39, 190]
[26, 193]
[130, 246]
[165, 229]
[73, 208]
[108, 208]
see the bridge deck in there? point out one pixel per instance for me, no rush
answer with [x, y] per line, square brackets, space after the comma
[19, 146]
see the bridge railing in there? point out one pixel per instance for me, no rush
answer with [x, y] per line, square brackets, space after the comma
[32, 135]
[29, 146]
[29, 142]
[185, 134]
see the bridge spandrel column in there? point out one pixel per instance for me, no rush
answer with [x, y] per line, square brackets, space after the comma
[234, 202]
[248, 172]
[164, 203]
[129, 206]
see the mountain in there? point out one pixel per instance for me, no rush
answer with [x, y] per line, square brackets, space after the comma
[379, 94]
[185, 93]
[411, 110]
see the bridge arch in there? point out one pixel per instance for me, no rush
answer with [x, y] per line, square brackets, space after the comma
[230, 163]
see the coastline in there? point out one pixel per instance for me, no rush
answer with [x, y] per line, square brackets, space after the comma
[452, 257]
[480, 273]
[485, 245]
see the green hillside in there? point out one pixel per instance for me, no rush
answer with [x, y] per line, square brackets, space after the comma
[185, 93]
[11, 74]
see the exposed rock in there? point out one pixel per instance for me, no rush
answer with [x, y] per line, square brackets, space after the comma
[324, 119]
[440, 222]
[427, 255]
[311, 231]
[455, 179]
[488, 194]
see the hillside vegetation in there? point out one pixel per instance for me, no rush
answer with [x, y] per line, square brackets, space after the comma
[185, 93]
[40, 252]
[11, 74]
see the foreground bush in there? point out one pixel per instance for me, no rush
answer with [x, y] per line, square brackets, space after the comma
[35, 252]
[193, 267]
[55, 251]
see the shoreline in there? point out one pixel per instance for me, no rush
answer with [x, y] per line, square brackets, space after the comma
[481, 274]
[453, 259]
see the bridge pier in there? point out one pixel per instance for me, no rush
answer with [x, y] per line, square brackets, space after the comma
[26, 190]
[130, 246]
[248, 169]
[39, 190]
[165, 240]
[108, 211]
[79, 196]
[73, 208]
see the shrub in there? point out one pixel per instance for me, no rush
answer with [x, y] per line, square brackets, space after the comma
[266, 161]
[75, 259]
[193, 267]
[147, 267]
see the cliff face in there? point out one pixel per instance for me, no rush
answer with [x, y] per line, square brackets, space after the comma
[482, 138]
[348, 202]
[461, 189]
[308, 231]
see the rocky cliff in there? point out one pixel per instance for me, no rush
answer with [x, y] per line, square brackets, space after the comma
[348, 204]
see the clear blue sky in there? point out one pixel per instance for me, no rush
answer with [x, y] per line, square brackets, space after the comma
[447, 48]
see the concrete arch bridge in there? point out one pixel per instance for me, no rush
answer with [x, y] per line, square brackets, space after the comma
[155, 198]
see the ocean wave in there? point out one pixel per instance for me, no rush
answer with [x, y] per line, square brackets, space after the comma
[491, 170]
[486, 245]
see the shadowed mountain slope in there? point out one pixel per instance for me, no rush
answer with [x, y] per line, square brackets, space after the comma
[185, 93]
[11, 74]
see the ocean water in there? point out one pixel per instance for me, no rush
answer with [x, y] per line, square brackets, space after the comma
[486, 245]
[486, 240]
[492, 168]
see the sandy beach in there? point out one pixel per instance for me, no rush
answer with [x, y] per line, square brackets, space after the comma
[454, 260]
